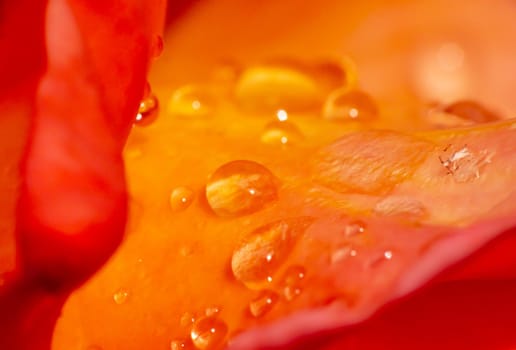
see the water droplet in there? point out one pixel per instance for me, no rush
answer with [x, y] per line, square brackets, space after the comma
[275, 85]
[291, 292]
[281, 133]
[471, 110]
[294, 275]
[181, 344]
[384, 257]
[263, 303]
[342, 252]
[209, 333]
[181, 198]
[463, 163]
[346, 105]
[192, 101]
[187, 319]
[240, 187]
[355, 228]
[212, 310]
[261, 253]
[121, 296]
[148, 111]
[157, 46]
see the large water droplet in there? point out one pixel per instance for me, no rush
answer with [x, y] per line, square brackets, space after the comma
[121, 296]
[181, 198]
[192, 101]
[263, 303]
[240, 187]
[257, 258]
[472, 111]
[147, 111]
[345, 105]
[208, 333]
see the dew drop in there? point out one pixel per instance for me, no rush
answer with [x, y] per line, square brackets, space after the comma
[212, 310]
[342, 252]
[157, 46]
[187, 319]
[355, 228]
[294, 275]
[192, 101]
[291, 292]
[181, 198]
[472, 111]
[209, 333]
[263, 303]
[181, 344]
[274, 85]
[257, 258]
[281, 133]
[148, 111]
[120, 296]
[345, 105]
[240, 187]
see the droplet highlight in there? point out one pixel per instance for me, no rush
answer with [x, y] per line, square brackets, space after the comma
[192, 101]
[355, 228]
[346, 105]
[260, 254]
[263, 303]
[240, 187]
[120, 296]
[181, 344]
[147, 111]
[209, 333]
[181, 198]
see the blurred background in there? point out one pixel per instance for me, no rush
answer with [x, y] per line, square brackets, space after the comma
[407, 52]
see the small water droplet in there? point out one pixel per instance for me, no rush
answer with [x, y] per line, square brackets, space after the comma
[385, 256]
[342, 252]
[346, 105]
[240, 187]
[121, 296]
[209, 333]
[157, 46]
[261, 253]
[148, 111]
[355, 228]
[294, 275]
[187, 319]
[471, 110]
[181, 344]
[281, 133]
[291, 292]
[181, 198]
[263, 303]
[192, 101]
[212, 310]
